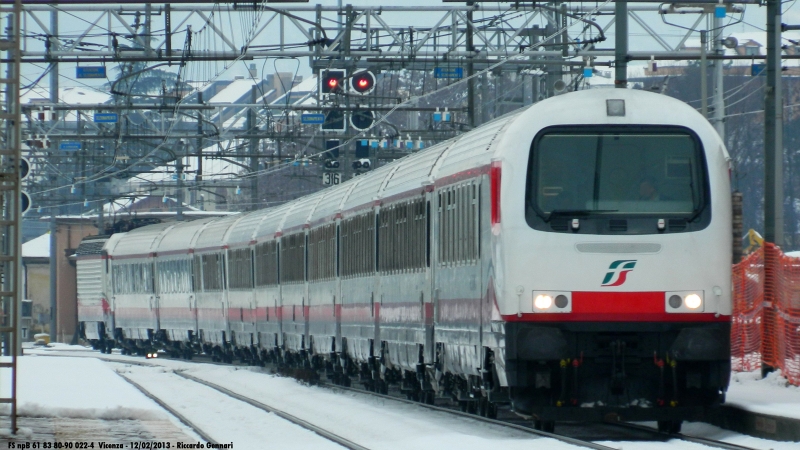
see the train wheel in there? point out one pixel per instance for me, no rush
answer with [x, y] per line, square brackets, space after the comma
[491, 411]
[483, 407]
[547, 426]
[670, 426]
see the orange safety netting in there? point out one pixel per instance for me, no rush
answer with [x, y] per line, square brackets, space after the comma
[748, 302]
[766, 313]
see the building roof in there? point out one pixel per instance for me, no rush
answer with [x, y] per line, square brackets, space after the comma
[37, 248]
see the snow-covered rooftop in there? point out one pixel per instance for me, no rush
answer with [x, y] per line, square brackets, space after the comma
[37, 248]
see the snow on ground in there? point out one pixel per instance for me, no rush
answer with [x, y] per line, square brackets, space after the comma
[78, 388]
[223, 418]
[772, 395]
[372, 422]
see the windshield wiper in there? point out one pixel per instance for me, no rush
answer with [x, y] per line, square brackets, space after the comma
[575, 212]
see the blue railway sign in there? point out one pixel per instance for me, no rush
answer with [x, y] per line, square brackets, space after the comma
[316, 119]
[90, 72]
[448, 72]
[106, 117]
[69, 146]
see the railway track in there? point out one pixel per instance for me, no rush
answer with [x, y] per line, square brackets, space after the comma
[683, 437]
[524, 429]
[200, 432]
[284, 415]
[583, 443]
[520, 425]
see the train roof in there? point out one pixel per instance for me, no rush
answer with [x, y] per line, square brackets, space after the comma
[181, 237]
[243, 231]
[91, 245]
[462, 154]
[273, 219]
[139, 242]
[331, 203]
[212, 236]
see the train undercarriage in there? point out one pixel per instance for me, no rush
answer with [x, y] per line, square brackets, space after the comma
[566, 372]
[664, 372]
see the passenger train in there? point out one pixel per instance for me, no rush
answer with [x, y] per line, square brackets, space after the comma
[570, 261]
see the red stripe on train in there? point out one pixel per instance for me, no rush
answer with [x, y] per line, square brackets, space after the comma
[617, 307]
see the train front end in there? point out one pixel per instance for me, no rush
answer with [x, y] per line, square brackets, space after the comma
[612, 249]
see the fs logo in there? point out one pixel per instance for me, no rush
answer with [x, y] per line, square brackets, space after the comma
[617, 272]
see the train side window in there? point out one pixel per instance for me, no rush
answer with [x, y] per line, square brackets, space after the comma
[321, 253]
[197, 273]
[267, 263]
[292, 258]
[458, 214]
[428, 233]
[241, 269]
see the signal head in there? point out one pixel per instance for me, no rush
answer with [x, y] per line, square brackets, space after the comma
[362, 82]
[362, 119]
[334, 121]
[331, 81]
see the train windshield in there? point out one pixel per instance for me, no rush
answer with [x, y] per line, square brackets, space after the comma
[625, 172]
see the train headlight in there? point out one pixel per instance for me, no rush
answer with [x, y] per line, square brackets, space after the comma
[693, 301]
[543, 301]
[684, 302]
[552, 302]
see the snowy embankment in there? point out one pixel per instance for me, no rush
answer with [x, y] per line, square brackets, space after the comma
[78, 388]
[772, 395]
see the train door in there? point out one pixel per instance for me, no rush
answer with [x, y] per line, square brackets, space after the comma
[429, 306]
[155, 294]
[197, 286]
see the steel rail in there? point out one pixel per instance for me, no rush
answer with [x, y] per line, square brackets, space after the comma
[684, 437]
[170, 409]
[284, 415]
[565, 439]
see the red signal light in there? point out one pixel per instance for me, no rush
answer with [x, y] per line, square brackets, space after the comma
[363, 82]
[331, 81]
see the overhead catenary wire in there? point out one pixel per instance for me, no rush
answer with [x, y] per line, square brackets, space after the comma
[412, 100]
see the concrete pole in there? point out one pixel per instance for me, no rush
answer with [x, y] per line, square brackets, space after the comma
[338, 17]
[718, 118]
[179, 184]
[198, 177]
[773, 129]
[53, 210]
[53, 273]
[703, 74]
[470, 72]
[621, 44]
[252, 126]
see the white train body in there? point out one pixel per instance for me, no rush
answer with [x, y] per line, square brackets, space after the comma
[589, 232]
